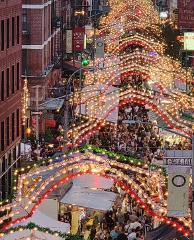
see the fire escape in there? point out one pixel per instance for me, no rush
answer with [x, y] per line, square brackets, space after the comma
[56, 31]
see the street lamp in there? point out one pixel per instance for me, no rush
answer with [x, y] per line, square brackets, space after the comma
[79, 13]
[66, 110]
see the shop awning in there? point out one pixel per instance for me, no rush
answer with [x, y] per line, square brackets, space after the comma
[52, 104]
[89, 198]
[69, 68]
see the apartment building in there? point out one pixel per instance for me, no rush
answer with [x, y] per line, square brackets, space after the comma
[10, 90]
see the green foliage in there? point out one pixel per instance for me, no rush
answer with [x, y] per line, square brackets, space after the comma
[48, 135]
[119, 157]
[33, 226]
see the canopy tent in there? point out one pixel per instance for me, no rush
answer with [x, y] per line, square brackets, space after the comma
[164, 232]
[52, 104]
[89, 198]
[30, 234]
[91, 181]
[43, 220]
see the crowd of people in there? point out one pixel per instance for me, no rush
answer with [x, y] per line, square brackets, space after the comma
[125, 221]
[136, 135]
[44, 150]
[184, 144]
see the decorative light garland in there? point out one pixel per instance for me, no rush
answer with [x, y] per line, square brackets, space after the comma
[25, 99]
[34, 227]
[124, 186]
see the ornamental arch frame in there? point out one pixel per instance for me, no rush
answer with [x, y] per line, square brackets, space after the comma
[89, 131]
[117, 178]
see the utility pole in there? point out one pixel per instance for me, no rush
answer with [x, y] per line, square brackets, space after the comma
[37, 119]
[66, 108]
[66, 105]
[66, 116]
[80, 83]
[37, 116]
[94, 43]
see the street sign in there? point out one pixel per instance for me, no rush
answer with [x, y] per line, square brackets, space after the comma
[189, 41]
[100, 48]
[177, 161]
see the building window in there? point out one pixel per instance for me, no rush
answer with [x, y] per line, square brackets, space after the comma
[7, 33]
[18, 29]
[2, 35]
[13, 31]
[2, 136]
[7, 130]
[7, 82]
[2, 86]
[18, 76]
[13, 126]
[14, 157]
[13, 79]
[24, 20]
[18, 122]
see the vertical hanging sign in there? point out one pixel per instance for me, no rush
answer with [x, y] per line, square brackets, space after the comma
[69, 39]
[100, 48]
[178, 191]
[78, 39]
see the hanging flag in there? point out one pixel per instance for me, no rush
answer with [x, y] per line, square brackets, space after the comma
[100, 48]
[69, 39]
[78, 39]
[178, 191]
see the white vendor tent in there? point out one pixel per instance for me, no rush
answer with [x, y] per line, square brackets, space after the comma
[89, 198]
[93, 181]
[32, 235]
[88, 192]
[43, 220]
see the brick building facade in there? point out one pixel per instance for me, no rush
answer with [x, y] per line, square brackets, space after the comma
[10, 89]
[40, 48]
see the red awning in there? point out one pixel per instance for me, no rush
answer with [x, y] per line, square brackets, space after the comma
[50, 123]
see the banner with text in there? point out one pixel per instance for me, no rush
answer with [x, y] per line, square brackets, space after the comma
[177, 161]
[78, 39]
